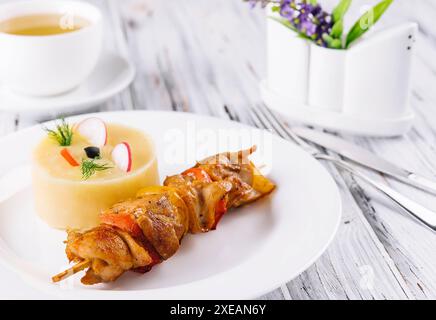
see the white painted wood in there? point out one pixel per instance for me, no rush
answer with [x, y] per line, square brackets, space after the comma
[356, 265]
[209, 56]
[408, 244]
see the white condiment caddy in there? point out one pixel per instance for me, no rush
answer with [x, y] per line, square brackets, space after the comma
[362, 90]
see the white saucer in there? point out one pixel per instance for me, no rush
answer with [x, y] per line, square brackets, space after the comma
[337, 121]
[111, 75]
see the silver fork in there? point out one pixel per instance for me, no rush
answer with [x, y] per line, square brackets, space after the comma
[263, 117]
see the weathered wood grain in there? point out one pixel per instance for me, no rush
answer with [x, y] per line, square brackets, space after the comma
[410, 245]
[356, 265]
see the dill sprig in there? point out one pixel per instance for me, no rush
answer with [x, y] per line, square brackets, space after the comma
[89, 167]
[63, 134]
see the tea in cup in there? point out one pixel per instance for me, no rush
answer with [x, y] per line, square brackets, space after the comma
[48, 47]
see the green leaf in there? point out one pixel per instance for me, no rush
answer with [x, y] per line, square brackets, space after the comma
[275, 9]
[331, 42]
[338, 29]
[62, 134]
[336, 44]
[288, 25]
[366, 21]
[340, 10]
[89, 167]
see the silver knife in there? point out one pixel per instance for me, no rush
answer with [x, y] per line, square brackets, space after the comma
[366, 158]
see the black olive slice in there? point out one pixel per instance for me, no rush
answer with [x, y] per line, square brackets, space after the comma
[92, 152]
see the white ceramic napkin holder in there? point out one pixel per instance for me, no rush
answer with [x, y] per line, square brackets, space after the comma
[363, 90]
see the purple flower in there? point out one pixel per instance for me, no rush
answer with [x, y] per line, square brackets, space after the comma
[252, 3]
[308, 28]
[263, 3]
[286, 10]
[310, 20]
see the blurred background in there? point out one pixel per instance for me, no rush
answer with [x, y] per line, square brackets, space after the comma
[209, 56]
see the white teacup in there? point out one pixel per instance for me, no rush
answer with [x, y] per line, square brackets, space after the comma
[44, 65]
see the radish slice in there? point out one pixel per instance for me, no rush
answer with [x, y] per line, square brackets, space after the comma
[94, 130]
[122, 156]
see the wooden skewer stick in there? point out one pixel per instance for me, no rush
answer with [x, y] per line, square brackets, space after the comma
[74, 269]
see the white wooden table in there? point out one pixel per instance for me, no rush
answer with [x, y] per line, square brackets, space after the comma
[207, 56]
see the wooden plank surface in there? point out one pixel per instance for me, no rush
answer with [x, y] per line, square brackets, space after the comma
[208, 57]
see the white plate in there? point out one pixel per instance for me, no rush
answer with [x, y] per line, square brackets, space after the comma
[112, 74]
[255, 249]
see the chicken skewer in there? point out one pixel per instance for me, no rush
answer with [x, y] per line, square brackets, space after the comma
[140, 233]
[73, 270]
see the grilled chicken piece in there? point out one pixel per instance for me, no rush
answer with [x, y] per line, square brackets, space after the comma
[139, 233]
[201, 198]
[161, 222]
[108, 250]
[248, 184]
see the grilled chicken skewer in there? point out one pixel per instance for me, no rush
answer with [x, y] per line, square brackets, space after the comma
[140, 233]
